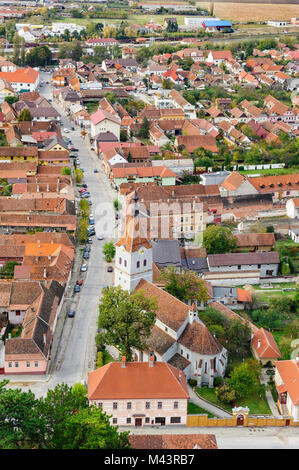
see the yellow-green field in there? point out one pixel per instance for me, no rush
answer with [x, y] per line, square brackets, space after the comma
[252, 11]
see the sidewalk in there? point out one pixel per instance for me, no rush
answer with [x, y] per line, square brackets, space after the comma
[194, 398]
[270, 400]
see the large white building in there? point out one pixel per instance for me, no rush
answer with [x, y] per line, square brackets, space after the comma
[23, 79]
[196, 22]
[179, 337]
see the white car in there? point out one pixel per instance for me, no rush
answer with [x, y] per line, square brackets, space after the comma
[100, 237]
[66, 130]
[83, 268]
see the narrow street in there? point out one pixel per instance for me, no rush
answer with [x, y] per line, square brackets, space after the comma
[76, 350]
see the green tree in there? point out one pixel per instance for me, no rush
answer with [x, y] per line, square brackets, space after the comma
[123, 135]
[21, 425]
[78, 175]
[244, 379]
[185, 285]
[226, 393]
[90, 428]
[25, 115]
[109, 251]
[126, 319]
[218, 239]
[66, 170]
[11, 99]
[116, 204]
[144, 130]
[82, 230]
[59, 404]
[84, 209]
[39, 56]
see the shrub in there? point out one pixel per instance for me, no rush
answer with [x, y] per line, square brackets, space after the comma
[99, 359]
[226, 394]
[192, 382]
[218, 381]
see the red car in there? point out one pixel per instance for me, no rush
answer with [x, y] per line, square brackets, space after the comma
[79, 282]
[82, 190]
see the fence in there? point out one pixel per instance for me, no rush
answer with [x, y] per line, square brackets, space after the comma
[202, 420]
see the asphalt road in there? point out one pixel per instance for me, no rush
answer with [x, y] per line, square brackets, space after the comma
[76, 346]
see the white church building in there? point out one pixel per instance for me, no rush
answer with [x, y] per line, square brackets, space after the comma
[178, 337]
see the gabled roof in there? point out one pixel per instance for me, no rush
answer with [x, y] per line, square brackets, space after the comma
[173, 441]
[101, 115]
[233, 181]
[232, 259]
[265, 345]
[197, 338]
[289, 373]
[255, 239]
[171, 311]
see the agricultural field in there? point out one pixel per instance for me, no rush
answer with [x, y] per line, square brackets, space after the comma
[241, 12]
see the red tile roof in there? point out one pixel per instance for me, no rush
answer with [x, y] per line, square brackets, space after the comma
[265, 345]
[137, 380]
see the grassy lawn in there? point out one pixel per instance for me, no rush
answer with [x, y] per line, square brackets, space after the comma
[267, 296]
[194, 409]
[257, 404]
[271, 172]
[92, 106]
[107, 357]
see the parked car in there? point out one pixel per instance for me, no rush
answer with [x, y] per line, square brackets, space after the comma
[84, 185]
[100, 237]
[76, 288]
[79, 282]
[71, 313]
[86, 255]
[66, 130]
[73, 128]
[117, 216]
[86, 195]
[83, 268]
[74, 149]
[110, 269]
[91, 221]
[91, 232]
[87, 248]
[95, 171]
[89, 202]
[89, 241]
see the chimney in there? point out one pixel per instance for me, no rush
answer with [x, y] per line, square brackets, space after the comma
[123, 362]
[44, 338]
[180, 376]
[45, 273]
[151, 360]
[258, 343]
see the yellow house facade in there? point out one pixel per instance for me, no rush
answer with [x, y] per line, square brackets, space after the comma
[18, 154]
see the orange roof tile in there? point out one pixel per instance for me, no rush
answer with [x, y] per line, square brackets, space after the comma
[136, 380]
[289, 373]
[265, 345]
